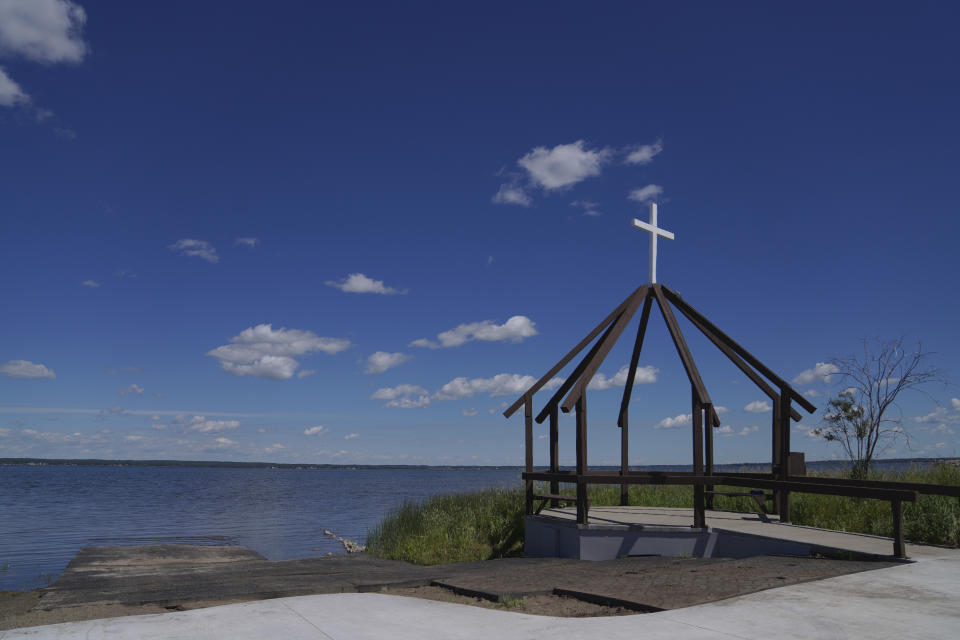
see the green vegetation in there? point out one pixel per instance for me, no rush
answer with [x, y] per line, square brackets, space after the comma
[489, 524]
[511, 603]
[452, 528]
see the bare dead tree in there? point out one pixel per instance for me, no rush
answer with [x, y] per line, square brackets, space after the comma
[861, 417]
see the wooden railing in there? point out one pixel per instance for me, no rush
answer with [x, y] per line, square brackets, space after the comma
[896, 493]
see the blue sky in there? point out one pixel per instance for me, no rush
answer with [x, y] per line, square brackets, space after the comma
[310, 232]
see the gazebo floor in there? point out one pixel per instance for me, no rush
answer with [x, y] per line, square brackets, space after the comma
[615, 532]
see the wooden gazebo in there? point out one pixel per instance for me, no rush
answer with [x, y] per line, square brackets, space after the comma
[785, 473]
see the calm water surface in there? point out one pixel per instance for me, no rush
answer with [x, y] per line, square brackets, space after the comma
[48, 513]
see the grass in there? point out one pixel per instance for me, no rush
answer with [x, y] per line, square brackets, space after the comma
[452, 528]
[489, 524]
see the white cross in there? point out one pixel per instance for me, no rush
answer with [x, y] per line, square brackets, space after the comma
[654, 231]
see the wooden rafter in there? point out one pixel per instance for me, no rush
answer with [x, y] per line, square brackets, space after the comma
[567, 358]
[604, 349]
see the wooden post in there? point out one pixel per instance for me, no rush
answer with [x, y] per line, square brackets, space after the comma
[708, 450]
[624, 458]
[775, 455]
[784, 429]
[528, 433]
[582, 509]
[554, 453]
[699, 514]
[899, 548]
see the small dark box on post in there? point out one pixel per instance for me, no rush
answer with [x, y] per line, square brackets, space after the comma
[796, 464]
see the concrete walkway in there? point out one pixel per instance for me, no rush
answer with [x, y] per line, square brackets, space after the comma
[920, 600]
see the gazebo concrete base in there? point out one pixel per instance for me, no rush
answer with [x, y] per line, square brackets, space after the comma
[615, 532]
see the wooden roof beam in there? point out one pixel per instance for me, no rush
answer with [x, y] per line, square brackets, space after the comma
[635, 359]
[735, 359]
[567, 358]
[678, 341]
[605, 345]
[746, 355]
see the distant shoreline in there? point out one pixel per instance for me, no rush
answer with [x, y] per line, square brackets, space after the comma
[93, 462]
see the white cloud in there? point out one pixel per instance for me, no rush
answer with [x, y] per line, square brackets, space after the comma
[410, 403]
[134, 388]
[956, 403]
[263, 352]
[502, 384]
[937, 415]
[564, 165]
[133, 438]
[645, 375]
[758, 406]
[812, 393]
[53, 437]
[645, 153]
[247, 242]
[391, 393]
[942, 428]
[222, 443]
[646, 194]
[682, 420]
[403, 396]
[195, 248]
[93, 284]
[725, 430]
[821, 371]
[359, 283]
[381, 361]
[516, 329]
[351, 436]
[589, 208]
[201, 424]
[468, 413]
[315, 431]
[306, 373]
[45, 31]
[10, 92]
[499, 408]
[274, 448]
[25, 369]
[512, 194]
[748, 430]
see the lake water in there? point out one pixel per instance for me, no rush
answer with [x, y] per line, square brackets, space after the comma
[48, 513]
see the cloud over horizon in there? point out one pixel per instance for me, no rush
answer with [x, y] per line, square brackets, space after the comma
[515, 329]
[822, 371]
[195, 248]
[382, 361]
[265, 352]
[359, 283]
[26, 369]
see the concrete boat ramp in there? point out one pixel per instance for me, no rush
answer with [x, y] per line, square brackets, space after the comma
[772, 596]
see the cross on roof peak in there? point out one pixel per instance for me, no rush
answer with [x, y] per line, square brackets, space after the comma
[654, 231]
